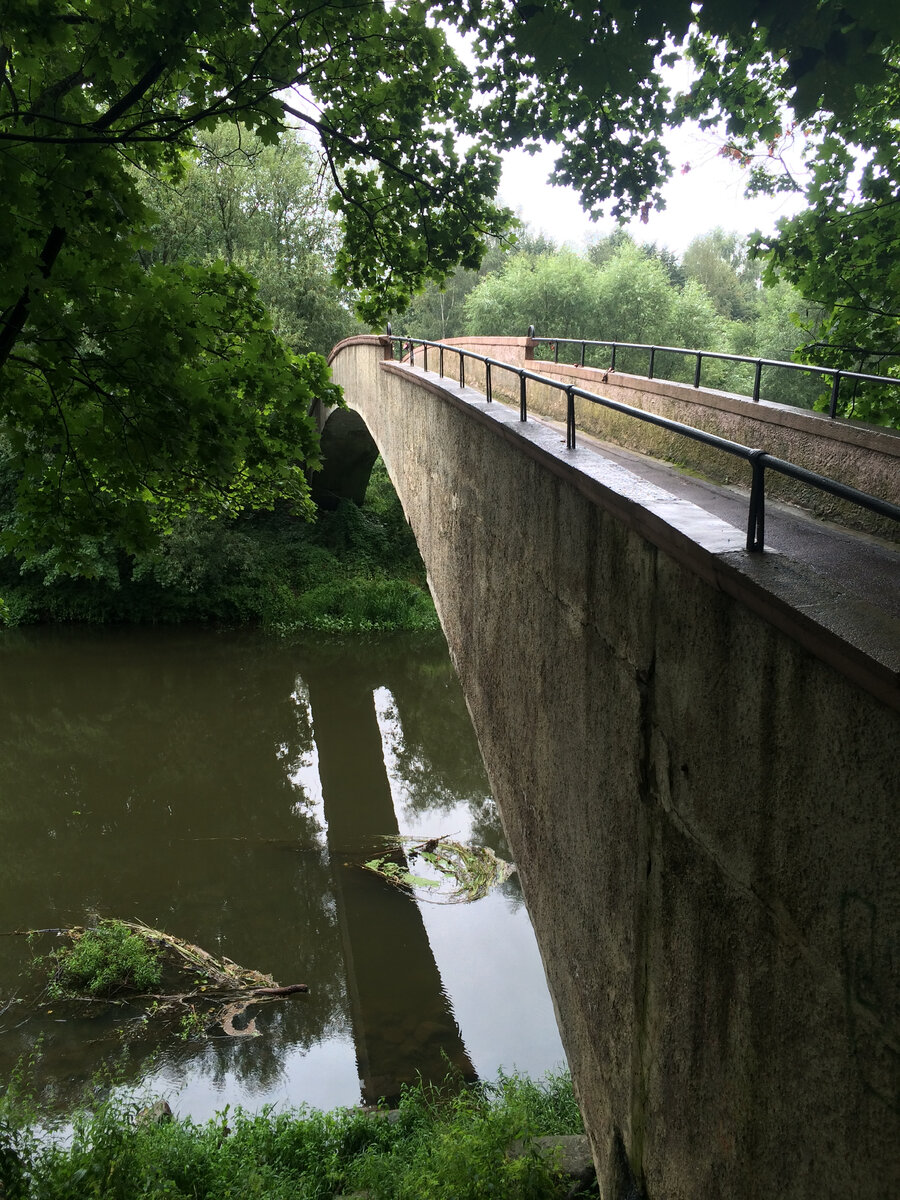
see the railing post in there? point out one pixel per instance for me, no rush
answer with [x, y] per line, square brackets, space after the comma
[441, 361]
[556, 352]
[412, 354]
[462, 370]
[583, 347]
[487, 381]
[652, 359]
[523, 406]
[697, 370]
[757, 380]
[612, 361]
[424, 358]
[756, 520]
[835, 388]
[570, 417]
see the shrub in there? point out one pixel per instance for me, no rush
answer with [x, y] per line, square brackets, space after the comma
[106, 959]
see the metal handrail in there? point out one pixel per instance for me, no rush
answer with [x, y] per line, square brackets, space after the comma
[835, 373]
[758, 459]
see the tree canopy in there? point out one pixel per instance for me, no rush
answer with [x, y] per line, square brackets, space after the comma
[133, 392]
[135, 388]
[265, 209]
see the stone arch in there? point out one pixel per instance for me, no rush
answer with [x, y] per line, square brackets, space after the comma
[348, 455]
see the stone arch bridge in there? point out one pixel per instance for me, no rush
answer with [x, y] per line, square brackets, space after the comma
[694, 752]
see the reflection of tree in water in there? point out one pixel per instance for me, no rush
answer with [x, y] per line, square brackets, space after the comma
[437, 758]
[150, 774]
[258, 1062]
[436, 754]
[147, 775]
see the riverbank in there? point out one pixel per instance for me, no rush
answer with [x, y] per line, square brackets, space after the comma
[440, 1144]
[354, 569]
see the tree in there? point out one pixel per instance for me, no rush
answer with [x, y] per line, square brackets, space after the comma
[132, 394]
[843, 253]
[603, 249]
[718, 260]
[697, 325]
[636, 301]
[440, 311]
[102, 433]
[590, 78]
[765, 72]
[263, 209]
[554, 292]
[840, 90]
[782, 321]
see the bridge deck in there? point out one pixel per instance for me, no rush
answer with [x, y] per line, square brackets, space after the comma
[863, 567]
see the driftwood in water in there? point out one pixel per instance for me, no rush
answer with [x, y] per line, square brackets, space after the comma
[458, 872]
[227, 993]
[289, 989]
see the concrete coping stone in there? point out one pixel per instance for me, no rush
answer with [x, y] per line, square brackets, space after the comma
[818, 424]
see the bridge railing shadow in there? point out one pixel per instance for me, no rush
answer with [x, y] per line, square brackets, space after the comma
[759, 460]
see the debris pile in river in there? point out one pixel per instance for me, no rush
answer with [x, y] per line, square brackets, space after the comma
[458, 873]
[127, 962]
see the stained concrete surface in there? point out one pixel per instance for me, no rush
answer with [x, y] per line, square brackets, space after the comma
[865, 566]
[696, 767]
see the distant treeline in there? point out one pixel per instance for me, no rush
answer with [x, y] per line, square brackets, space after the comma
[712, 298]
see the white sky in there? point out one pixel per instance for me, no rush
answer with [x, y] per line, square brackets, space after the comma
[710, 194]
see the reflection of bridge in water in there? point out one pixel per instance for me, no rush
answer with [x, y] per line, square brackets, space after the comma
[403, 1023]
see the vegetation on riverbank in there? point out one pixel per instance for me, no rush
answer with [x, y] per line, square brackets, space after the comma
[353, 569]
[443, 1144]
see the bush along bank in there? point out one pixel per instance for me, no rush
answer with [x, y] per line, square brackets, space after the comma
[440, 1144]
[353, 569]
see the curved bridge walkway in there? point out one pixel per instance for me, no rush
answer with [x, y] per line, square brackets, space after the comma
[694, 751]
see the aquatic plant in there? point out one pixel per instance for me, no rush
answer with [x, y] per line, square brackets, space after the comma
[116, 958]
[460, 872]
[103, 960]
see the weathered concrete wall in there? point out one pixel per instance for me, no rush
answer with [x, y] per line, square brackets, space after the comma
[699, 785]
[862, 456]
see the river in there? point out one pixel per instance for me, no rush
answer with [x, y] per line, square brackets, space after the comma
[226, 787]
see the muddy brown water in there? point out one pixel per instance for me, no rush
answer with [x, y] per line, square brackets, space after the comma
[225, 787]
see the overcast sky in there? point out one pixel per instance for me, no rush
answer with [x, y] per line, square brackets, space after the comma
[710, 193]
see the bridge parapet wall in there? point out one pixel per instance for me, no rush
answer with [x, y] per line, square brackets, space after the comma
[700, 798]
[862, 456]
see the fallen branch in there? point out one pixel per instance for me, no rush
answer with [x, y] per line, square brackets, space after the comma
[260, 993]
[289, 989]
[230, 991]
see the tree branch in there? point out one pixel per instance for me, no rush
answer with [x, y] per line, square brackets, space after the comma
[15, 323]
[13, 326]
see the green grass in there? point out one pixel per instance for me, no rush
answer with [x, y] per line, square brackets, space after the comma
[446, 1144]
